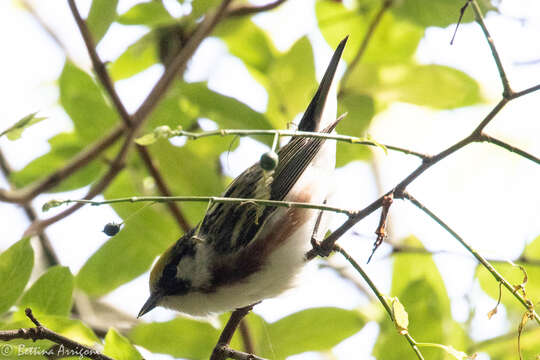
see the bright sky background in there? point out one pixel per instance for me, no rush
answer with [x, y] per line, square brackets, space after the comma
[488, 195]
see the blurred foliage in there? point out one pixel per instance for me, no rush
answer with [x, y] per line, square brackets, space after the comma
[417, 283]
[386, 73]
[15, 267]
[15, 131]
[516, 277]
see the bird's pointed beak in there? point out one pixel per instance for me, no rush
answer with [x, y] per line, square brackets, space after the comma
[151, 303]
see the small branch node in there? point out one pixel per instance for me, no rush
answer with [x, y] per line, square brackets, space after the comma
[31, 316]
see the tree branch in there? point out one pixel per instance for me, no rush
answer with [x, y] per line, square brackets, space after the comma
[177, 65]
[179, 62]
[403, 249]
[507, 91]
[42, 333]
[105, 79]
[116, 165]
[242, 10]
[285, 133]
[525, 302]
[222, 350]
[29, 192]
[211, 199]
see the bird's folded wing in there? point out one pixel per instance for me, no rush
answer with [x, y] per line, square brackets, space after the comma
[236, 225]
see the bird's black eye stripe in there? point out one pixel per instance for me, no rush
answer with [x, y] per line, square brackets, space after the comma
[170, 271]
[171, 284]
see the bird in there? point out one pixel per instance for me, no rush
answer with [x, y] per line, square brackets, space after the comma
[242, 253]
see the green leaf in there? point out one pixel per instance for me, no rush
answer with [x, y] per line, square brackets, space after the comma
[181, 338]
[226, 111]
[401, 318]
[436, 12]
[51, 293]
[64, 147]
[248, 42]
[139, 56]
[290, 83]
[130, 253]
[84, 102]
[200, 7]
[394, 40]
[435, 86]
[411, 267]
[532, 250]
[360, 109]
[418, 285]
[15, 267]
[15, 131]
[152, 14]
[101, 16]
[426, 323]
[506, 348]
[119, 348]
[515, 276]
[146, 139]
[298, 333]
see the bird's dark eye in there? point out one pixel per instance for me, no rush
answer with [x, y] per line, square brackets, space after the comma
[169, 272]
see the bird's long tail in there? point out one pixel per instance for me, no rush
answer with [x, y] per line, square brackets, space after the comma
[321, 111]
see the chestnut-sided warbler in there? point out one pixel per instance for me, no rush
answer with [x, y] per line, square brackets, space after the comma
[242, 253]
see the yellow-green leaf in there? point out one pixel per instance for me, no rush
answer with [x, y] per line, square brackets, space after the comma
[15, 267]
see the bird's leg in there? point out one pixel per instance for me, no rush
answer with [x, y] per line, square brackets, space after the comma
[315, 237]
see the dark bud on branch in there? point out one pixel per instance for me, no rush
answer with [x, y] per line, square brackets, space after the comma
[111, 229]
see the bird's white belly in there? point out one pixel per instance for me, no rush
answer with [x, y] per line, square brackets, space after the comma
[283, 264]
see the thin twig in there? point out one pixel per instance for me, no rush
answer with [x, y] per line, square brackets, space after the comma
[286, 133]
[98, 65]
[379, 296]
[71, 348]
[404, 249]
[212, 199]
[511, 148]
[526, 91]
[341, 271]
[45, 242]
[242, 10]
[507, 92]
[30, 9]
[526, 303]
[163, 188]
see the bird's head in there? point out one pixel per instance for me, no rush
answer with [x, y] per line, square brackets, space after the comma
[167, 277]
